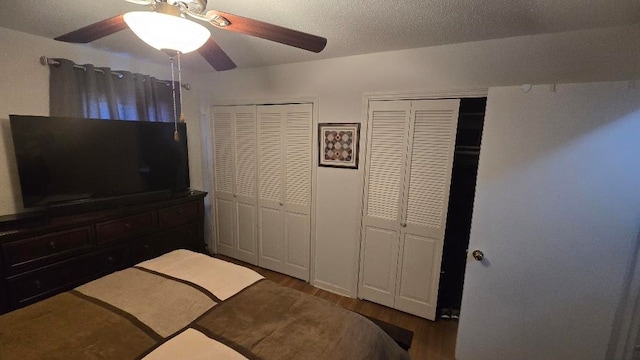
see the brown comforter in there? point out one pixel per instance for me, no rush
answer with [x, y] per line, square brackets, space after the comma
[139, 313]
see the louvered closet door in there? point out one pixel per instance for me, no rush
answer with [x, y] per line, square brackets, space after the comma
[384, 175]
[297, 189]
[223, 167]
[245, 196]
[270, 188]
[407, 178]
[428, 174]
[284, 187]
[234, 136]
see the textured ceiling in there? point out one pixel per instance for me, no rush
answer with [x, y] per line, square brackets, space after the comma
[351, 26]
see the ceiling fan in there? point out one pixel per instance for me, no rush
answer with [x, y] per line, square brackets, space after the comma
[195, 9]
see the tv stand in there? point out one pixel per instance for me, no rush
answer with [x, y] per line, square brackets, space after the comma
[45, 253]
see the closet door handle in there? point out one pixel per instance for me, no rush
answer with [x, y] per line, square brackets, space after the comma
[281, 203]
[404, 224]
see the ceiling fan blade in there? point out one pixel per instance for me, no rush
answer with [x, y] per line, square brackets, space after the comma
[215, 56]
[95, 31]
[271, 32]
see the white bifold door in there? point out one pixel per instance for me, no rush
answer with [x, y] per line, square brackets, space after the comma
[235, 191]
[262, 185]
[407, 178]
[285, 134]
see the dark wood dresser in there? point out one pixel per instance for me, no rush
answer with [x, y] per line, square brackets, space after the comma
[44, 254]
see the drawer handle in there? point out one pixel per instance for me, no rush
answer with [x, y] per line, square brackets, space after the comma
[38, 284]
[127, 226]
[111, 260]
[180, 211]
[147, 246]
[52, 245]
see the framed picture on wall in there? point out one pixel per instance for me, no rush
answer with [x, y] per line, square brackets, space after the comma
[339, 145]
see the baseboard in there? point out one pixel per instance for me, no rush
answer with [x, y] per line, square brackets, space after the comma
[333, 288]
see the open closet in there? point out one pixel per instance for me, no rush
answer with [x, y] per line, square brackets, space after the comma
[461, 195]
[408, 174]
[410, 147]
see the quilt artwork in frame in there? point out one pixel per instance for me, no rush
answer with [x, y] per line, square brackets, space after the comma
[339, 145]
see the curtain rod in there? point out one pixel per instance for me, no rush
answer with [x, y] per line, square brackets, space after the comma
[48, 61]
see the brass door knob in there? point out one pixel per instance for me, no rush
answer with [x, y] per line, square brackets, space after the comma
[478, 255]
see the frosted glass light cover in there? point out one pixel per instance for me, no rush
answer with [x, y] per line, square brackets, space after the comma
[169, 32]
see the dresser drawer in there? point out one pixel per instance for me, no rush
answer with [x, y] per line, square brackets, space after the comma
[179, 214]
[125, 227]
[188, 237]
[39, 284]
[45, 248]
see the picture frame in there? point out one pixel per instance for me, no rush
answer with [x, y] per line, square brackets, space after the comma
[339, 145]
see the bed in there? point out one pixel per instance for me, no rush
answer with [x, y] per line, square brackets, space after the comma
[186, 305]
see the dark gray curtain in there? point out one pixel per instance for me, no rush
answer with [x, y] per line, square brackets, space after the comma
[86, 91]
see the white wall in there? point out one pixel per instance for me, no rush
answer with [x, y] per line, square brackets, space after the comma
[339, 84]
[25, 91]
[557, 215]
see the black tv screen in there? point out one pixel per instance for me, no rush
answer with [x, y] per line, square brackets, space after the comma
[64, 160]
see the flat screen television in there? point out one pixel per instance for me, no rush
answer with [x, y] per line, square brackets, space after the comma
[66, 160]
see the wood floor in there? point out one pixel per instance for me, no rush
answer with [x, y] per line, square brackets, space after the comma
[431, 340]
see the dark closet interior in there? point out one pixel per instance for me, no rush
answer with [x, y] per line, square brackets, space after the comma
[461, 195]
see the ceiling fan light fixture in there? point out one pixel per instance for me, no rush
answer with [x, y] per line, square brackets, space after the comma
[167, 32]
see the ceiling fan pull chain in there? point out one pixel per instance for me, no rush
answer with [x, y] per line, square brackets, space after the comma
[176, 136]
[180, 88]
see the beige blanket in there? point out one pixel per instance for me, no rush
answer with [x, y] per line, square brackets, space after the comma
[185, 305]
